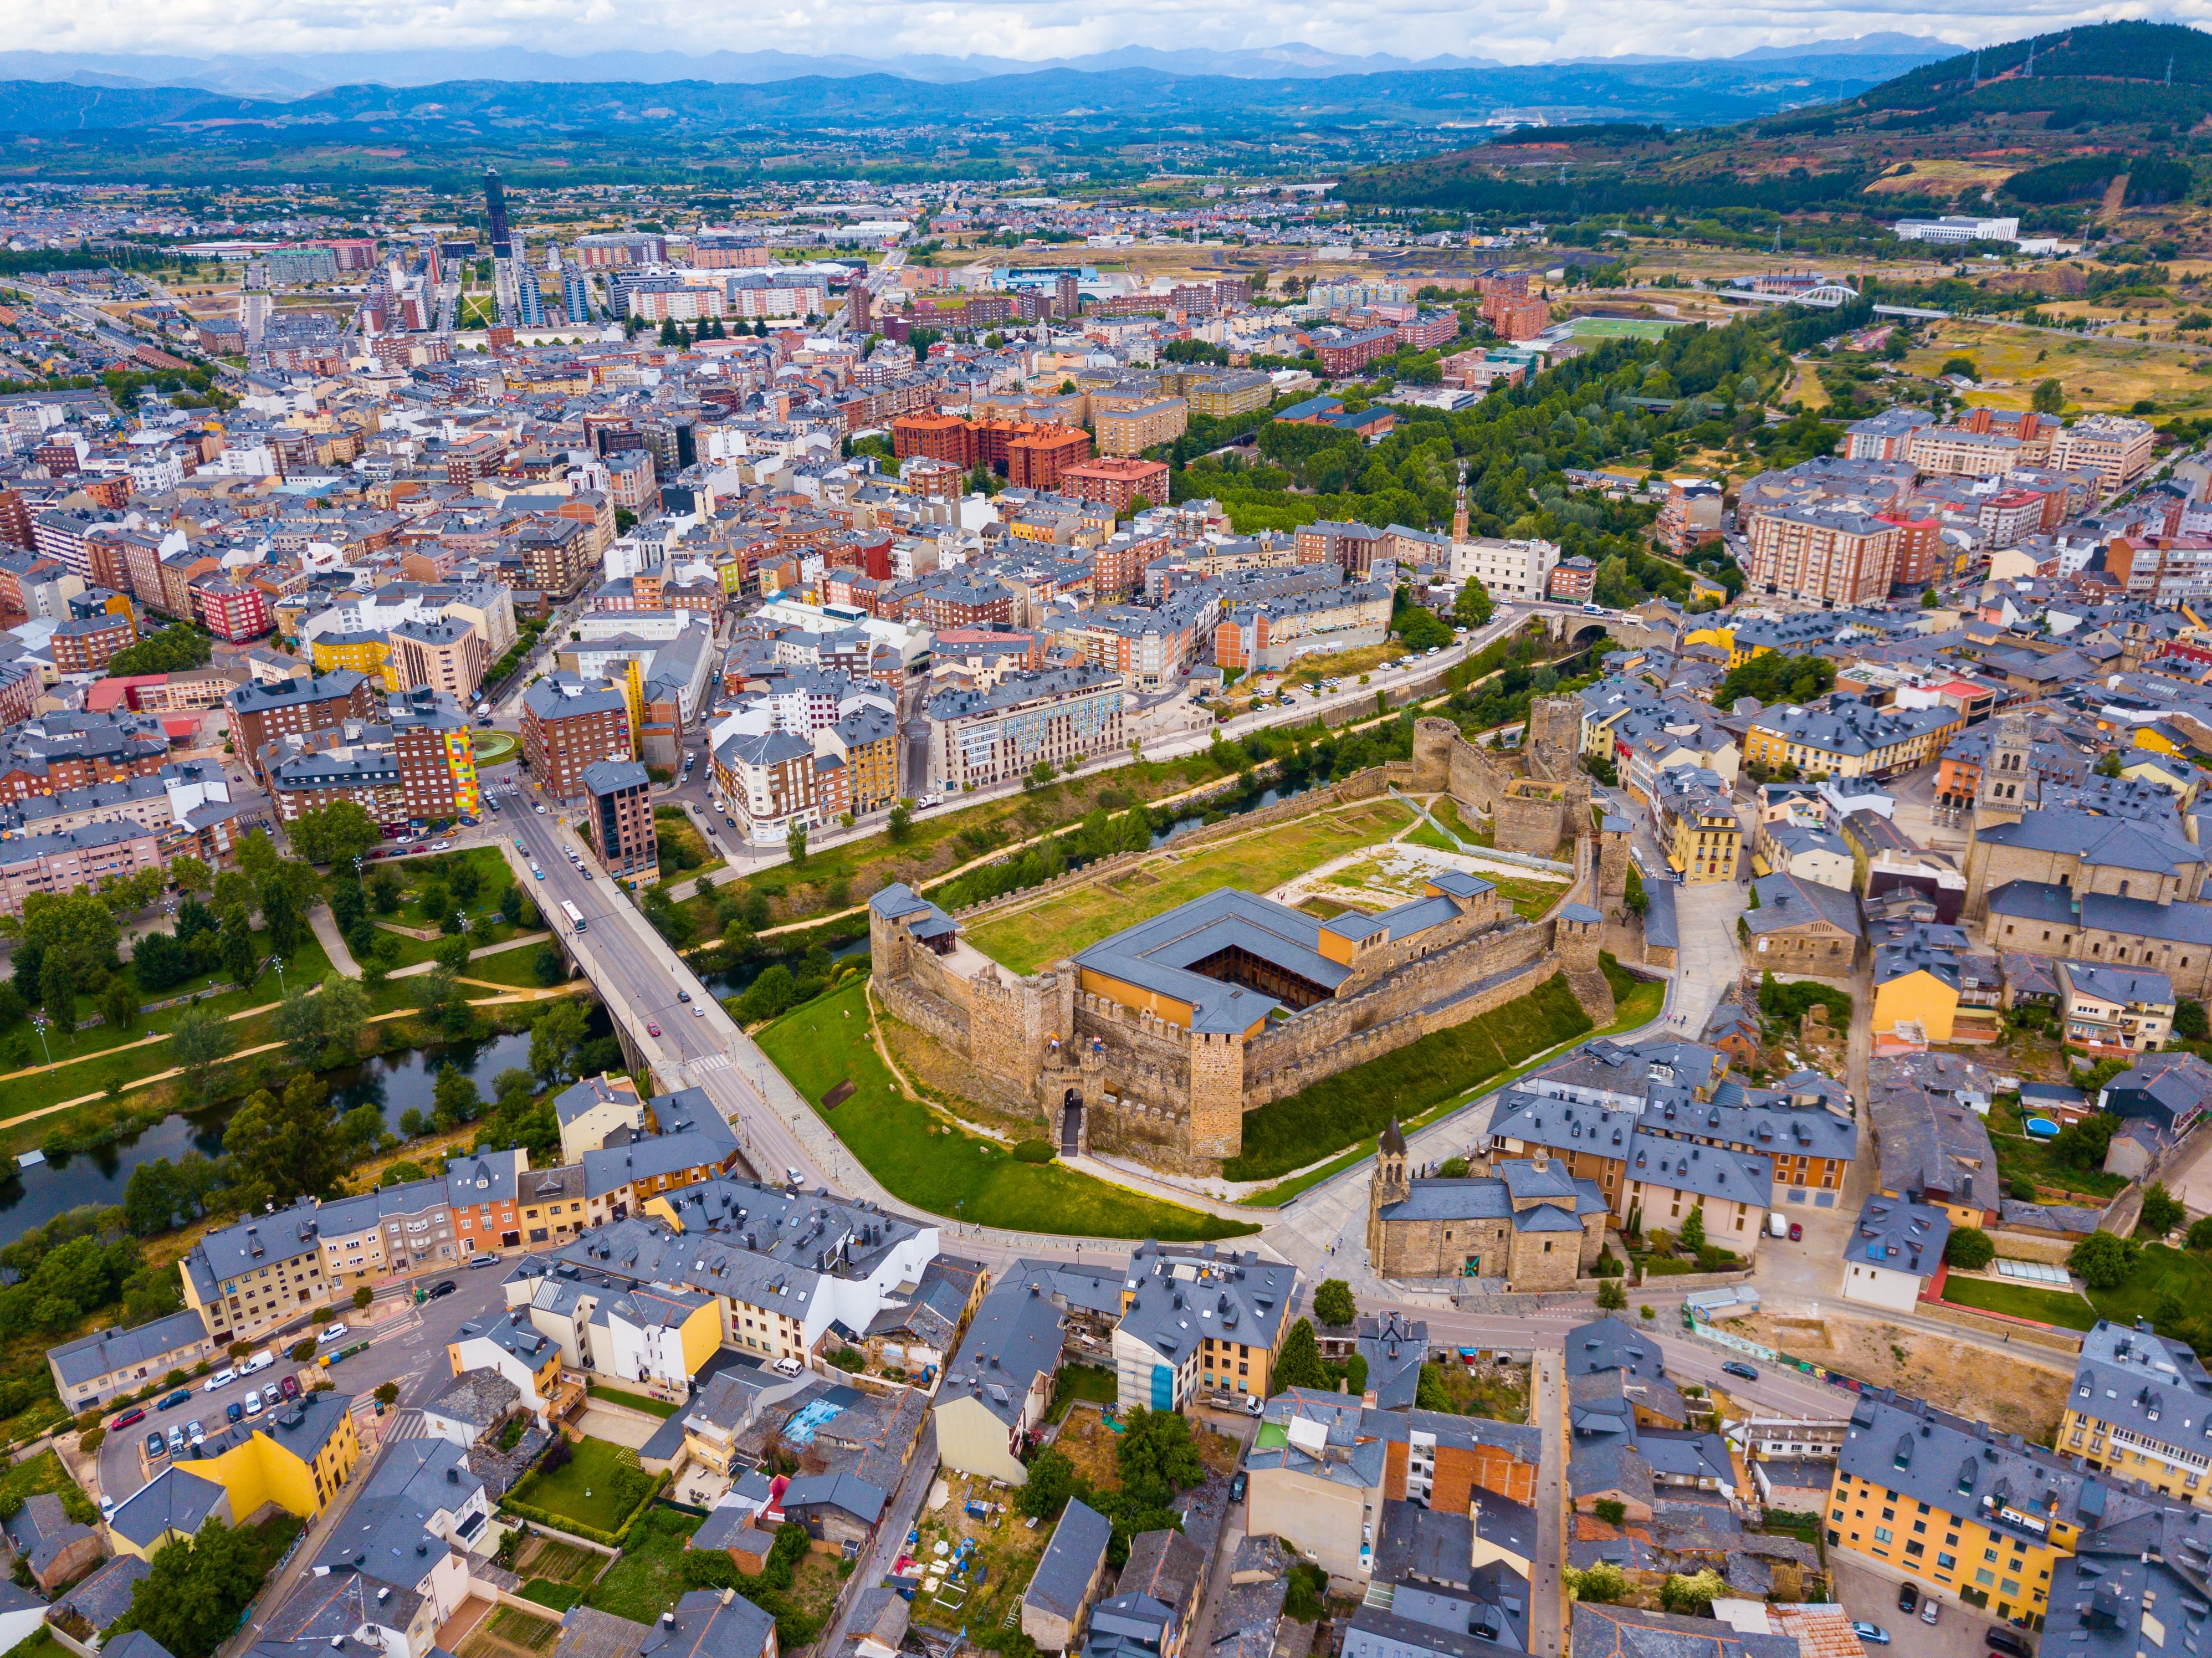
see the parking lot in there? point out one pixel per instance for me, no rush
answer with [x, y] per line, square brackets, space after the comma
[208, 1405]
[1869, 1596]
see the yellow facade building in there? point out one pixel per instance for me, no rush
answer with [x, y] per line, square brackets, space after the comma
[2135, 1410]
[369, 654]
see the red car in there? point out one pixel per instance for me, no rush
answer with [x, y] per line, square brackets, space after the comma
[132, 1415]
[1796, 1233]
[652, 1030]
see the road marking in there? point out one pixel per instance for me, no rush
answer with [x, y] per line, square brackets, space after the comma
[712, 1062]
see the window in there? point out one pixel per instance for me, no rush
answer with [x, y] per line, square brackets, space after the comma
[1881, 1534]
[1945, 1562]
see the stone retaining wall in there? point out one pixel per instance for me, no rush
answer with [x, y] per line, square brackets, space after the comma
[1996, 1324]
[2032, 1246]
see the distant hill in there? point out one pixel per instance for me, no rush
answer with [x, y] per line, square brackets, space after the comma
[2070, 111]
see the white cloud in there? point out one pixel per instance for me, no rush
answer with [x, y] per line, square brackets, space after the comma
[1513, 31]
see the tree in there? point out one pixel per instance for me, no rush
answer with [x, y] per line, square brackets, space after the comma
[119, 1002]
[1691, 1595]
[465, 883]
[2200, 1234]
[559, 1032]
[548, 966]
[510, 904]
[197, 1041]
[454, 1098]
[1333, 1303]
[299, 1022]
[1693, 1234]
[899, 827]
[239, 958]
[1155, 1457]
[1969, 1249]
[1611, 1297]
[1052, 1481]
[190, 874]
[76, 926]
[1929, 600]
[150, 1202]
[57, 989]
[191, 1600]
[334, 834]
[2161, 1212]
[452, 953]
[1472, 607]
[2050, 398]
[1300, 1365]
[281, 1146]
[383, 892]
[1598, 1584]
[442, 999]
[345, 1010]
[794, 843]
[2103, 1260]
[2188, 1021]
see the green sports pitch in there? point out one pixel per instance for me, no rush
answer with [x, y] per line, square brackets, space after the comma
[1618, 328]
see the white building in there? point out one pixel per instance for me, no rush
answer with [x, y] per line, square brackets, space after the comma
[1895, 1248]
[1953, 228]
[1507, 569]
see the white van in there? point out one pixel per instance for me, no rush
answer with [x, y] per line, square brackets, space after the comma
[260, 1361]
[1776, 1226]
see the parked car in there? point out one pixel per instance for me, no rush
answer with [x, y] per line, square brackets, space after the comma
[234, 1412]
[155, 1446]
[1796, 1232]
[1928, 1609]
[1236, 1484]
[196, 1433]
[475, 1261]
[1736, 1366]
[2006, 1641]
[332, 1332]
[269, 1395]
[253, 1404]
[289, 1386]
[1907, 1597]
[134, 1414]
[174, 1399]
[443, 1287]
[791, 1176]
[1873, 1634]
[221, 1378]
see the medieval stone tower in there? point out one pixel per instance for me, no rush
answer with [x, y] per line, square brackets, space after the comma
[1387, 1185]
[2008, 785]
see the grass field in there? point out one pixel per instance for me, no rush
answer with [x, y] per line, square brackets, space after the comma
[2160, 1272]
[592, 1469]
[1637, 1003]
[1072, 1383]
[1026, 940]
[1622, 328]
[647, 1577]
[2094, 374]
[1310, 1124]
[2065, 1309]
[659, 1407]
[941, 1169]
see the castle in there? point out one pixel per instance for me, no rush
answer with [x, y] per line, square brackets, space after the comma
[1155, 1041]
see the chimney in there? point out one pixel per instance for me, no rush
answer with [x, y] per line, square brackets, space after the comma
[1369, 1400]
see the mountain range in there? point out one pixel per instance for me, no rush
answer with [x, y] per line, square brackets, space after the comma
[289, 76]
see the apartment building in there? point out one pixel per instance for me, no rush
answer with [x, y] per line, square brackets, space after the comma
[619, 806]
[978, 737]
[1117, 480]
[449, 656]
[2119, 448]
[2137, 1409]
[1164, 1362]
[248, 1280]
[1347, 351]
[1948, 1501]
[777, 780]
[1223, 396]
[261, 712]
[569, 723]
[484, 1192]
[416, 766]
[1697, 825]
[1829, 555]
[60, 863]
[95, 1369]
[1506, 569]
[1886, 436]
[393, 1231]
[1133, 429]
[1039, 459]
[87, 644]
[1852, 740]
[232, 611]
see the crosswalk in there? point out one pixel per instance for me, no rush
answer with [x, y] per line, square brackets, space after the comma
[712, 1062]
[407, 1424]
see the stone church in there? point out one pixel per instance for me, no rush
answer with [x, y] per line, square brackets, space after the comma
[1530, 1222]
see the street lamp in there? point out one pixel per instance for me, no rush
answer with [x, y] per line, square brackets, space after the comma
[39, 1021]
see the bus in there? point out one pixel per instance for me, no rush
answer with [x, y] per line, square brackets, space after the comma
[575, 916]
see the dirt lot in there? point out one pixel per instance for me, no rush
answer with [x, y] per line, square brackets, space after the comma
[2095, 373]
[1499, 1392]
[1007, 1545]
[2016, 1392]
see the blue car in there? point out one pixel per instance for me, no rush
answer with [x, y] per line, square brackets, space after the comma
[183, 1395]
[233, 1411]
[155, 1446]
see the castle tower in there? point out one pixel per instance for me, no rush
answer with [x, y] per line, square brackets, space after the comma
[2008, 785]
[1387, 1185]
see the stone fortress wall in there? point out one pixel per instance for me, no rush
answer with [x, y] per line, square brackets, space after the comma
[1153, 1090]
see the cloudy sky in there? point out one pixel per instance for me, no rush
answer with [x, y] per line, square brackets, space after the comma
[1513, 31]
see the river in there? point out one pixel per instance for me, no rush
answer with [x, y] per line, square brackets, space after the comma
[393, 1081]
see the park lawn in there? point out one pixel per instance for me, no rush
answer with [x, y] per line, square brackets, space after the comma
[493, 874]
[2161, 1270]
[1259, 861]
[659, 1407]
[939, 1169]
[1287, 1134]
[648, 1575]
[492, 930]
[516, 966]
[590, 1468]
[2060, 1307]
